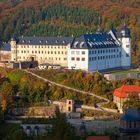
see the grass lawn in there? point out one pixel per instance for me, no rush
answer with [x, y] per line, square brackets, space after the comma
[126, 72]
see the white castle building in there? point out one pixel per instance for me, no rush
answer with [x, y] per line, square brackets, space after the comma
[90, 52]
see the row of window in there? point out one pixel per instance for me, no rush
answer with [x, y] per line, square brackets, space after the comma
[48, 47]
[77, 52]
[44, 52]
[77, 59]
[104, 57]
[103, 51]
[49, 58]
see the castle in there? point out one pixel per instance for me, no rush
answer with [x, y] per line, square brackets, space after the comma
[89, 52]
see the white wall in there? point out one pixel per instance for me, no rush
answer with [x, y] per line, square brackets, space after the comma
[104, 58]
[75, 64]
[126, 49]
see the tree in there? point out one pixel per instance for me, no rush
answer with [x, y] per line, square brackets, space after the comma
[1, 115]
[17, 134]
[61, 130]
[132, 102]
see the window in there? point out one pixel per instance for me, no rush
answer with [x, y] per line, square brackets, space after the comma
[83, 52]
[134, 124]
[127, 46]
[78, 59]
[89, 52]
[127, 55]
[130, 126]
[83, 59]
[65, 59]
[51, 52]
[69, 109]
[72, 58]
[77, 52]
[89, 58]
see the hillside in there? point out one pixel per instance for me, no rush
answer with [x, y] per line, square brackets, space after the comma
[68, 17]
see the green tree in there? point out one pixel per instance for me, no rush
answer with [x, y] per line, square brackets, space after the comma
[133, 102]
[61, 130]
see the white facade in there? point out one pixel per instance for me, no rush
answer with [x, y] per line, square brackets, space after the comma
[126, 52]
[101, 55]
[78, 59]
[90, 52]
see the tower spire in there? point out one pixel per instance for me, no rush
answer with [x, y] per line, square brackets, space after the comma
[124, 23]
[99, 25]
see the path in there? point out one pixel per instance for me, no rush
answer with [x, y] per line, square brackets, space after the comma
[99, 105]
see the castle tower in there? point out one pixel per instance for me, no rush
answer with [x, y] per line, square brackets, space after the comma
[126, 47]
[69, 106]
[13, 50]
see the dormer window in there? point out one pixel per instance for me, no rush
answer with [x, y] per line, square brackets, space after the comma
[76, 44]
[82, 44]
[63, 42]
[56, 41]
[23, 41]
[40, 41]
[46, 41]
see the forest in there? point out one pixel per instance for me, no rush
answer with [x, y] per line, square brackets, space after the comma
[69, 18]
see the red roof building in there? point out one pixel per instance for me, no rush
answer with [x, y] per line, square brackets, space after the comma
[98, 138]
[122, 94]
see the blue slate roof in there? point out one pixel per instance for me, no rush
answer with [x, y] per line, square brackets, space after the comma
[44, 40]
[6, 47]
[91, 41]
[131, 114]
